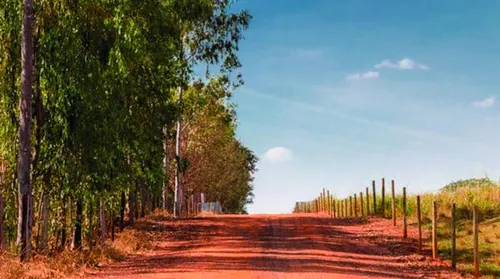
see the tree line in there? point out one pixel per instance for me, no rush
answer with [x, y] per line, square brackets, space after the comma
[109, 106]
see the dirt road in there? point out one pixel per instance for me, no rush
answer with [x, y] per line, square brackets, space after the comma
[277, 246]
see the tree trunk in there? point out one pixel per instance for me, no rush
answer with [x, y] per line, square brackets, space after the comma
[150, 203]
[122, 211]
[102, 217]
[91, 225]
[112, 226]
[63, 223]
[25, 129]
[45, 227]
[165, 170]
[131, 207]
[77, 237]
[2, 231]
[178, 139]
[143, 200]
[136, 200]
[39, 219]
[71, 215]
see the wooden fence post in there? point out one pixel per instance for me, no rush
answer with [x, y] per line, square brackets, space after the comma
[320, 200]
[453, 238]
[334, 213]
[321, 203]
[2, 233]
[325, 201]
[351, 207]
[346, 208]
[355, 206]
[475, 221]
[393, 196]
[383, 197]
[331, 206]
[328, 204]
[434, 231]
[374, 198]
[367, 202]
[341, 206]
[361, 203]
[405, 223]
[419, 220]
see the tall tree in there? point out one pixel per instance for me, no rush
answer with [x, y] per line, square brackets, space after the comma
[210, 34]
[105, 80]
[24, 159]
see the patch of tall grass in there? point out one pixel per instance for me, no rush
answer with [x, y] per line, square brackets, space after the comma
[482, 193]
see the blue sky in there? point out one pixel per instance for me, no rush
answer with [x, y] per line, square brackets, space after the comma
[338, 93]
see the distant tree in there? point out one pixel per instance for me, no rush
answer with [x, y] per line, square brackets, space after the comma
[469, 183]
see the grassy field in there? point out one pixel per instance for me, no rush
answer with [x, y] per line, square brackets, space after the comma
[482, 193]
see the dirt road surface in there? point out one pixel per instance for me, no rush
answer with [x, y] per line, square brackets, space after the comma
[277, 246]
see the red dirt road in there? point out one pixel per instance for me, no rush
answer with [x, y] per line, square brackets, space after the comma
[276, 246]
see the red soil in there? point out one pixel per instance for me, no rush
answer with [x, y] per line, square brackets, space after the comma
[277, 246]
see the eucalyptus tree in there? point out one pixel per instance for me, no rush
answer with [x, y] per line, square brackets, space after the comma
[210, 35]
[24, 159]
[104, 83]
[219, 165]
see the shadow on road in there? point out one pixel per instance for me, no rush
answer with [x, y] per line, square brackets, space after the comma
[272, 243]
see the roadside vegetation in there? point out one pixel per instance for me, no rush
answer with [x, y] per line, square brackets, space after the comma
[129, 110]
[61, 264]
[483, 193]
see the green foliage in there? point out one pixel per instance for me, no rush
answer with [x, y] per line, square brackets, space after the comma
[106, 74]
[469, 183]
[221, 167]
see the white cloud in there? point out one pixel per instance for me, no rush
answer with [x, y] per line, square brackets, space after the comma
[367, 75]
[403, 64]
[486, 103]
[278, 154]
[426, 135]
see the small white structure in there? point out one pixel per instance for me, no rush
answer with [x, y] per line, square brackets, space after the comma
[213, 207]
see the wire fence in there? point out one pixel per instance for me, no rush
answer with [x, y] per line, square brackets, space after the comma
[423, 210]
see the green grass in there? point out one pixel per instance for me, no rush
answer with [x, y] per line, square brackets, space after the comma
[487, 200]
[489, 245]
[482, 193]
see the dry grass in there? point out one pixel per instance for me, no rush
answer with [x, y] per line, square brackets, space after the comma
[487, 200]
[60, 265]
[130, 241]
